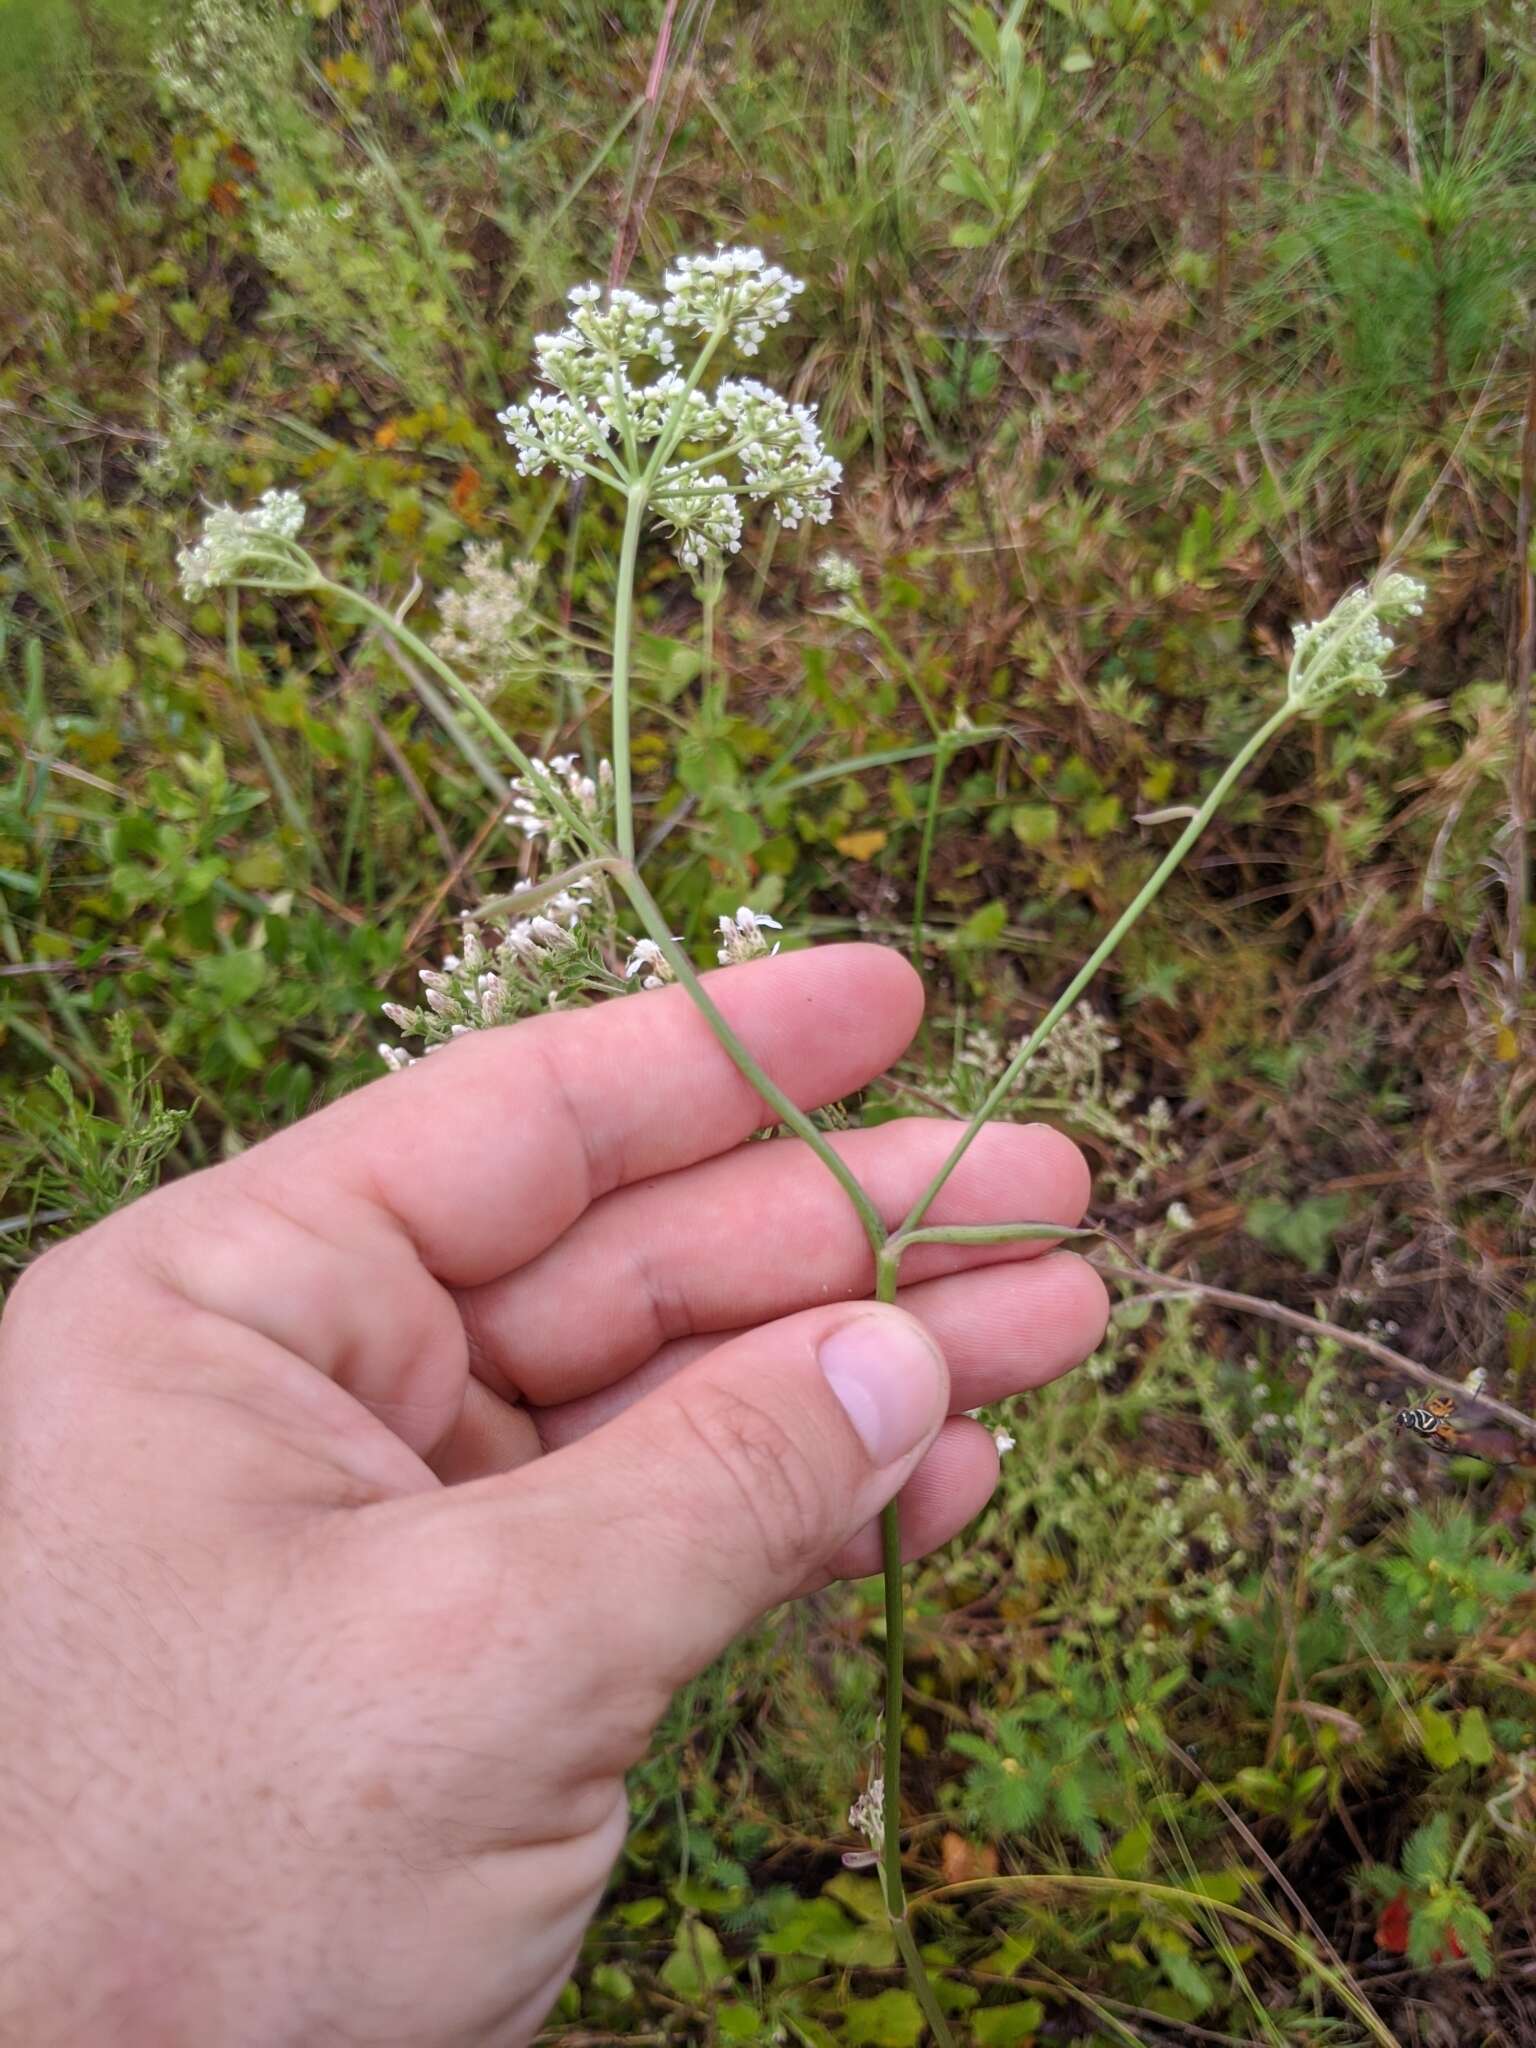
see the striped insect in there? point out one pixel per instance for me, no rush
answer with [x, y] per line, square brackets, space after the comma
[1431, 1420]
[1431, 1423]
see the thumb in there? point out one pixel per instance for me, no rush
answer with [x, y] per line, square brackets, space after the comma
[732, 1486]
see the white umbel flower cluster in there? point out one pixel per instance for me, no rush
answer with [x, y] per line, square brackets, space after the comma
[486, 626]
[744, 937]
[837, 574]
[734, 288]
[258, 547]
[1349, 649]
[617, 410]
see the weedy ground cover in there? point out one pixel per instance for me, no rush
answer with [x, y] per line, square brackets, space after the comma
[1140, 332]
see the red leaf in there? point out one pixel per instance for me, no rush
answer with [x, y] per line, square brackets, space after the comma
[1392, 1927]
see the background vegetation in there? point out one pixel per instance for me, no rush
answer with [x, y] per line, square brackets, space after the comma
[1144, 328]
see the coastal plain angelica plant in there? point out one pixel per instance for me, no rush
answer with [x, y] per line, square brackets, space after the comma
[631, 398]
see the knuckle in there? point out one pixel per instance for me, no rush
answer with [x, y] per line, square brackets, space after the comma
[764, 1480]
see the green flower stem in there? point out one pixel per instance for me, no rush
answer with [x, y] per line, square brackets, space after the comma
[983, 1233]
[671, 430]
[941, 760]
[628, 879]
[887, 1274]
[624, 604]
[1153, 888]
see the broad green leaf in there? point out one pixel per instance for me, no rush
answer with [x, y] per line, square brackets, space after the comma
[1473, 1739]
[893, 2020]
[1007, 2026]
[983, 926]
[1437, 1737]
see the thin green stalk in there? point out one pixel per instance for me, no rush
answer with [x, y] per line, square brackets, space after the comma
[714, 709]
[624, 602]
[887, 1270]
[1146, 896]
[983, 1233]
[628, 879]
[941, 762]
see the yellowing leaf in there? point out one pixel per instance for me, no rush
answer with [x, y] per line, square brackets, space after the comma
[861, 845]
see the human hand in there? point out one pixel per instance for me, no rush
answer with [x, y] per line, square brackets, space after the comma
[363, 1500]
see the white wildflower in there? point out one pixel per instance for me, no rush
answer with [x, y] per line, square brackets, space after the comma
[550, 431]
[702, 511]
[649, 961]
[258, 546]
[650, 407]
[485, 625]
[1348, 650]
[561, 784]
[602, 414]
[781, 452]
[742, 937]
[736, 291]
[1005, 1442]
[837, 574]
[866, 1816]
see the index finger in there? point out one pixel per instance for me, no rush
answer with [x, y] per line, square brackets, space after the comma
[486, 1152]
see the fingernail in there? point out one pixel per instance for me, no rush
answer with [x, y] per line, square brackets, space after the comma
[889, 1379]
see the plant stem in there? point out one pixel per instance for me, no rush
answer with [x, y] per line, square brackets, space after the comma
[1127, 919]
[925, 850]
[984, 1233]
[624, 600]
[887, 1272]
[628, 878]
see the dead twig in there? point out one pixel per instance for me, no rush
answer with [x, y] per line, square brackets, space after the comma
[1313, 1326]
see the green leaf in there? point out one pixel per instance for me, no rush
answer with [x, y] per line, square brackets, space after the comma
[983, 926]
[1427, 1855]
[972, 235]
[1305, 1232]
[1034, 824]
[861, 1895]
[1100, 816]
[1437, 1738]
[697, 1962]
[893, 2020]
[737, 2022]
[1184, 1974]
[1473, 1739]
[233, 977]
[1006, 2026]
[1129, 1856]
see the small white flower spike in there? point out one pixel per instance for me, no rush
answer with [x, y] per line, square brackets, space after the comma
[1004, 1441]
